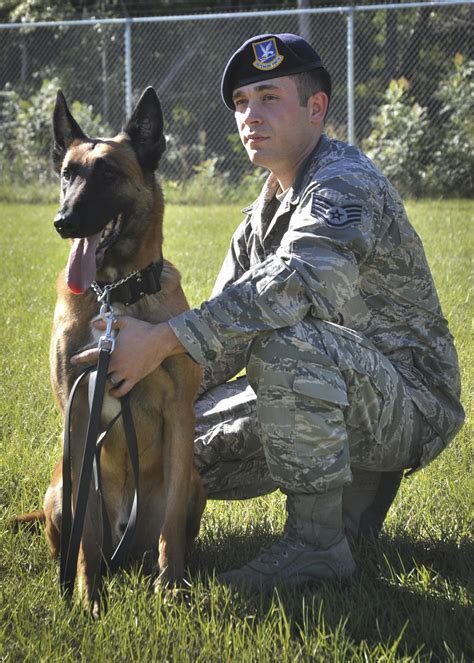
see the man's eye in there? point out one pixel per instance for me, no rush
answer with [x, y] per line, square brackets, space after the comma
[270, 97]
[238, 103]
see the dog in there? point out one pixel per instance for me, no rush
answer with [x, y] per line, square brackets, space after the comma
[111, 210]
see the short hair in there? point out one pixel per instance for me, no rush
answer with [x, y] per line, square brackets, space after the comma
[310, 82]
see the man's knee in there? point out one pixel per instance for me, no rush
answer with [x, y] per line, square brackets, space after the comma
[301, 398]
[279, 351]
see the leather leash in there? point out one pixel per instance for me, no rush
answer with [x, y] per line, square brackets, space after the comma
[72, 525]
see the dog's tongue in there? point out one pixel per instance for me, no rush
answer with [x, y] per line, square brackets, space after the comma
[81, 267]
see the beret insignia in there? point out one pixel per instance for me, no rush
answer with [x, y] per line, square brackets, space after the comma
[266, 53]
[336, 216]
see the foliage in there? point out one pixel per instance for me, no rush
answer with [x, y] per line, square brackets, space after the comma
[39, 10]
[25, 148]
[451, 166]
[25, 141]
[420, 151]
[421, 154]
[396, 143]
[181, 157]
[207, 185]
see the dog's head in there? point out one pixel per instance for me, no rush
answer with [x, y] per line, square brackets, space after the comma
[102, 182]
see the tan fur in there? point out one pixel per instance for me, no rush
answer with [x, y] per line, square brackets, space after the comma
[171, 495]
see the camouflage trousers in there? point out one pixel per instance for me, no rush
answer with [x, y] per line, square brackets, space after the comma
[318, 399]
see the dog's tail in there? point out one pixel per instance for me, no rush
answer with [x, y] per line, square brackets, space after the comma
[28, 520]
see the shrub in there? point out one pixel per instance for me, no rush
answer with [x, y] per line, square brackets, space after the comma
[208, 186]
[431, 157]
[397, 141]
[25, 143]
[451, 167]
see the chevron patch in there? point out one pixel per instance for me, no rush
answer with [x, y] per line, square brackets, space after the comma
[336, 216]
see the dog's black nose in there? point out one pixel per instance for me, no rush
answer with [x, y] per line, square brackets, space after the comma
[67, 223]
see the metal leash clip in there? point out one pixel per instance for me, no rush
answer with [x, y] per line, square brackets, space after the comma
[107, 341]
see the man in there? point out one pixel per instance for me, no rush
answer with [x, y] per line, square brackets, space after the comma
[326, 299]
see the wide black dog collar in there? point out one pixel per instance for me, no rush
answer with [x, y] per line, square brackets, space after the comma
[132, 287]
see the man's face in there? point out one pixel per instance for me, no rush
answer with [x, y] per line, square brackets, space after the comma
[277, 132]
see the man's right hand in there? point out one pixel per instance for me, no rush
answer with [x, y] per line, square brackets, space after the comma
[140, 348]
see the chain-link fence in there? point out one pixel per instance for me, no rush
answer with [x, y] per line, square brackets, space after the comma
[105, 65]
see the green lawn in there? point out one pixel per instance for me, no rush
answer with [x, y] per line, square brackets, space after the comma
[412, 599]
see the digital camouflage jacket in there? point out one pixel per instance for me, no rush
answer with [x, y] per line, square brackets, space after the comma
[339, 247]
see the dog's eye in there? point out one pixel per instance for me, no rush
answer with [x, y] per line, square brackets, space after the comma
[66, 175]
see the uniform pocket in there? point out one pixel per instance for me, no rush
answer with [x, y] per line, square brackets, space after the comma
[303, 430]
[324, 383]
[320, 438]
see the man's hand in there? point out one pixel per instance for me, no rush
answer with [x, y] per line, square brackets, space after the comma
[140, 347]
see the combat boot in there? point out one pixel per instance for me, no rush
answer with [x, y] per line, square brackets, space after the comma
[313, 548]
[366, 501]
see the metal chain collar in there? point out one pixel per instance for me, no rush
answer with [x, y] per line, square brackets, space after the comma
[102, 293]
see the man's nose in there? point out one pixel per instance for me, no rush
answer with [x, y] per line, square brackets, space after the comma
[252, 114]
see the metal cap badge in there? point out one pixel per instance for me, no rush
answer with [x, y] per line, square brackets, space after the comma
[267, 56]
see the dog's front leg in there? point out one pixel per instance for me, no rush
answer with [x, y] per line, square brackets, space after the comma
[178, 459]
[89, 560]
[89, 564]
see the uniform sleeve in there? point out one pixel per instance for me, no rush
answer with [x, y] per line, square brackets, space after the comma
[314, 270]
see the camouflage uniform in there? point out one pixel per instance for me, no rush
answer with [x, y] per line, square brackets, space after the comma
[327, 299]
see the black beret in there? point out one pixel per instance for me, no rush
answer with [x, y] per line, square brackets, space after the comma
[267, 56]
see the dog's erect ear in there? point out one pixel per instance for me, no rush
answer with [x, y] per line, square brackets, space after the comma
[65, 130]
[145, 130]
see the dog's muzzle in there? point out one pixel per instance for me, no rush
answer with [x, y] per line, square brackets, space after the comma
[72, 225]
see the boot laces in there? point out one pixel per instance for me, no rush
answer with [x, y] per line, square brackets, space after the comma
[280, 550]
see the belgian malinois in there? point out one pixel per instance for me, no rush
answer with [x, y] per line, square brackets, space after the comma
[112, 212]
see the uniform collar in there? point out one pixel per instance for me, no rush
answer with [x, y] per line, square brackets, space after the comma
[307, 169]
[303, 177]
[267, 193]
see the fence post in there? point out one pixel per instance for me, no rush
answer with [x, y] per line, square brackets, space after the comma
[304, 25]
[128, 67]
[350, 76]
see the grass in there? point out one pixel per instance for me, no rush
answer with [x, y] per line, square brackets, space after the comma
[413, 598]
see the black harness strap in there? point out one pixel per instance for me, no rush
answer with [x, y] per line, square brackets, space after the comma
[71, 544]
[72, 527]
[66, 511]
[118, 556]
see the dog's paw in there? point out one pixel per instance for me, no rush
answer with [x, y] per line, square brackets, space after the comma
[95, 610]
[166, 580]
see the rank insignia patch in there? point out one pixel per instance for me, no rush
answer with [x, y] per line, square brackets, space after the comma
[267, 56]
[336, 216]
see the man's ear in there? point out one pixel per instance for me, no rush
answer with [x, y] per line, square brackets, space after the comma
[145, 130]
[318, 104]
[65, 130]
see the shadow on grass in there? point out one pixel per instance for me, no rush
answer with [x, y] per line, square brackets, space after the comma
[410, 596]
[452, 560]
[407, 590]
